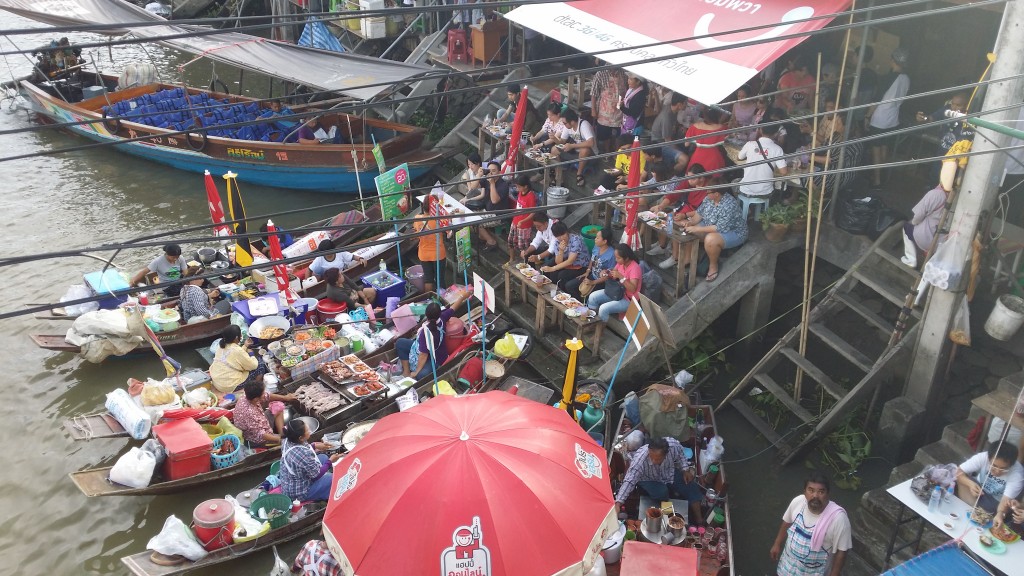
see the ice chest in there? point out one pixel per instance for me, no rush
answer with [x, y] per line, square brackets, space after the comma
[188, 448]
[110, 285]
[386, 284]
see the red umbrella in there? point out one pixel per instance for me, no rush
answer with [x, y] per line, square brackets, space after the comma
[280, 270]
[489, 483]
[216, 208]
[516, 140]
[632, 237]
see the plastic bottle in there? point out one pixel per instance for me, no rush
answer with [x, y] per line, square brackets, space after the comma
[670, 224]
[382, 266]
[948, 496]
[935, 502]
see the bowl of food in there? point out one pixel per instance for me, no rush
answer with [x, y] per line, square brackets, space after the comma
[980, 516]
[266, 329]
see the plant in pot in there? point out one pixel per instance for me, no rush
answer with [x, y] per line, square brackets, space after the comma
[776, 221]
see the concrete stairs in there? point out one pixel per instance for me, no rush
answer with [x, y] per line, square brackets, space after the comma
[876, 517]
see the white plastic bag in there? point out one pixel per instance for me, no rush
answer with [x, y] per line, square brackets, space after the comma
[134, 469]
[713, 453]
[408, 400]
[199, 398]
[176, 538]
[683, 378]
[128, 414]
[77, 292]
[960, 333]
[944, 268]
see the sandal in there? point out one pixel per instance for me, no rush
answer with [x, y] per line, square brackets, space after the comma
[580, 180]
[711, 276]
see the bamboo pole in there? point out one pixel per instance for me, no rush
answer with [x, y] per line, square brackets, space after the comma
[805, 305]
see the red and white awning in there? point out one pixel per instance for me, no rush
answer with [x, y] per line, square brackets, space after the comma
[595, 25]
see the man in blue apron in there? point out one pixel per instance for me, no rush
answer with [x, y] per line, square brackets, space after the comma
[814, 535]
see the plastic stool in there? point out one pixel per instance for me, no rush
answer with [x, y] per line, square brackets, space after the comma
[458, 48]
[756, 201]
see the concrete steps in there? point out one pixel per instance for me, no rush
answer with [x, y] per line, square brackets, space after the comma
[874, 520]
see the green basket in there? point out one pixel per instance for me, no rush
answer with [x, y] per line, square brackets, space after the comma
[272, 502]
[589, 234]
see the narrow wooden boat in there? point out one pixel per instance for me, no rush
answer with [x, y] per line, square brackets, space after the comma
[710, 564]
[186, 334]
[142, 564]
[154, 112]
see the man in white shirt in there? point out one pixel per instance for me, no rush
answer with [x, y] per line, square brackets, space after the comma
[815, 534]
[581, 141]
[542, 240]
[757, 174]
[885, 116]
[339, 260]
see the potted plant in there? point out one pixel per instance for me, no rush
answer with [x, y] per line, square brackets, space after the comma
[776, 220]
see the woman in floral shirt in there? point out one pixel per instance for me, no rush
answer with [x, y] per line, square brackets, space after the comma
[250, 417]
[719, 220]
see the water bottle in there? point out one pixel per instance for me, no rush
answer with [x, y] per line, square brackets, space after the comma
[382, 266]
[671, 223]
[935, 502]
[948, 498]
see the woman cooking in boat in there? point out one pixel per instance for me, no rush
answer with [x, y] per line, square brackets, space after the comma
[422, 354]
[233, 364]
[305, 475]
[249, 414]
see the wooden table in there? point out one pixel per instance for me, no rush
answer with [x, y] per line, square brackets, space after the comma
[489, 136]
[527, 286]
[683, 241]
[1000, 404]
[581, 325]
[529, 160]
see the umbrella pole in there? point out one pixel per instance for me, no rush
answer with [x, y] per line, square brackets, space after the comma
[571, 372]
[618, 364]
[398, 250]
[355, 165]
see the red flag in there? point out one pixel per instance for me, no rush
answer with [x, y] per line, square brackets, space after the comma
[632, 236]
[280, 270]
[216, 208]
[516, 140]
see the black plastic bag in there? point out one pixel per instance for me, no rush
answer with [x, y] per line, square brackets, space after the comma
[859, 215]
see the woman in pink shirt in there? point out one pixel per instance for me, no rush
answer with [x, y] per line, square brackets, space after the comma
[627, 272]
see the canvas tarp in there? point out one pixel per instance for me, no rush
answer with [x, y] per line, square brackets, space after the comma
[595, 25]
[318, 69]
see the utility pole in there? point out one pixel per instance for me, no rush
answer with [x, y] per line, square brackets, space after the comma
[978, 192]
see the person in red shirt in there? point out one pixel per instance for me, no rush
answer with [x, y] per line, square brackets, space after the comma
[690, 192]
[521, 233]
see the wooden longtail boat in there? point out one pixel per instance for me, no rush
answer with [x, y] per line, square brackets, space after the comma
[186, 334]
[318, 167]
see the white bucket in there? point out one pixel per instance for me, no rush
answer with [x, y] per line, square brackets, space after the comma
[1006, 318]
[612, 549]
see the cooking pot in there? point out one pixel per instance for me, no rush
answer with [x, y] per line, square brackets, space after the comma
[218, 264]
[207, 255]
[355, 433]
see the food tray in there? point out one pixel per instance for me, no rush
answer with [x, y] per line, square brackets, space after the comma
[350, 392]
[336, 372]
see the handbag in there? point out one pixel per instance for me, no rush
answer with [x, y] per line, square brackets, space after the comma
[586, 287]
[628, 123]
[614, 289]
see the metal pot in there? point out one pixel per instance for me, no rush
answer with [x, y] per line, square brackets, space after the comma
[207, 255]
[355, 433]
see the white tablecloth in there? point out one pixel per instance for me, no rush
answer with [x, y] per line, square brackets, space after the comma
[1009, 562]
[449, 205]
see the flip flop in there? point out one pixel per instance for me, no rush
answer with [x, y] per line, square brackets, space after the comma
[580, 180]
[711, 276]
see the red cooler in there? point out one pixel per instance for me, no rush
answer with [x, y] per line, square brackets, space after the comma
[213, 522]
[327, 309]
[188, 448]
[455, 334]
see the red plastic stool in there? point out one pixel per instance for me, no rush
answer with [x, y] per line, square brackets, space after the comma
[458, 48]
[327, 309]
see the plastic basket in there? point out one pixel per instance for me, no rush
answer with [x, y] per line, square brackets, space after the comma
[275, 468]
[589, 234]
[223, 461]
[271, 502]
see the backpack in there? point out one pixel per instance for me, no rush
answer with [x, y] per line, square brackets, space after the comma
[650, 283]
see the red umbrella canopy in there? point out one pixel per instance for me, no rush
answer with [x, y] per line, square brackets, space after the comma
[216, 207]
[632, 237]
[516, 139]
[280, 270]
[486, 484]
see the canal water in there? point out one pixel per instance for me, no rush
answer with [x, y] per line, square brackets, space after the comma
[92, 197]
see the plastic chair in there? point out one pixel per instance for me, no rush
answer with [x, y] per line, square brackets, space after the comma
[757, 201]
[458, 47]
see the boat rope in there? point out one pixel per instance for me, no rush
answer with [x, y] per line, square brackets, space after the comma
[81, 424]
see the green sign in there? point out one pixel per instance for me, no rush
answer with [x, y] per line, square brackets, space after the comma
[378, 154]
[463, 248]
[393, 204]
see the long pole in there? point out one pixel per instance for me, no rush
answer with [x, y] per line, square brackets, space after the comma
[618, 364]
[978, 192]
[359, 182]
[805, 309]
[853, 91]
